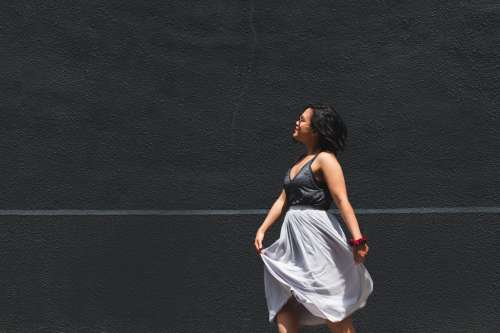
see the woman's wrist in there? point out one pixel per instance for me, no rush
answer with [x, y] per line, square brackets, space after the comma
[358, 241]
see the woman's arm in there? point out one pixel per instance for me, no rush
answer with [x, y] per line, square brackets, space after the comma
[274, 213]
[334, 177]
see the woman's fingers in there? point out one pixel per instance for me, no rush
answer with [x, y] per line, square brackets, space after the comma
[360, 254]
[258, 241]
[258, 245]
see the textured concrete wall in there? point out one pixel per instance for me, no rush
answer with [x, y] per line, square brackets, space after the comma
[190, 105]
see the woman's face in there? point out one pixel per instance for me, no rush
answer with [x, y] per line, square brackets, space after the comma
[303, 128]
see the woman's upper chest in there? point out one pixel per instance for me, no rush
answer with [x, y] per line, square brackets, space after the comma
[305, 169]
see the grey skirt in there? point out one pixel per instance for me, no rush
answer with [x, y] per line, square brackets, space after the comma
[313, 262]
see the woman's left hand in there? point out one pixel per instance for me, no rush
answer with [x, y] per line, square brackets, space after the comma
[360, 252]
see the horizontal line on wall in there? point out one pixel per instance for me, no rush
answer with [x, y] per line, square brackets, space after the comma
[418, 210]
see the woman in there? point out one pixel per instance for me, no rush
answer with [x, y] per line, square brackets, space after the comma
[312, 260]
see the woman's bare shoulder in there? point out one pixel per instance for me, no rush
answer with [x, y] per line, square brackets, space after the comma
[328, 162]
[327, 157]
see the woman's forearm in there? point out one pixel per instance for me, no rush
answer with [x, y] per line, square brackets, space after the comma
[347, 213]
[273, 215]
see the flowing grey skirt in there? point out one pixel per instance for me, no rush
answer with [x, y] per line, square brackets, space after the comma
[313, 261]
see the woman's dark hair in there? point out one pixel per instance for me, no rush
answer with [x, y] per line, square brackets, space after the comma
[331, 129]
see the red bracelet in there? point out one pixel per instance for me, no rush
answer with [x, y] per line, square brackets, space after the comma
[359, 241]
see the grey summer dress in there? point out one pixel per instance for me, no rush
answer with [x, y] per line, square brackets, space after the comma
[312, 259]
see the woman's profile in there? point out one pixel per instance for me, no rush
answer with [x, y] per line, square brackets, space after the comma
[313, 274]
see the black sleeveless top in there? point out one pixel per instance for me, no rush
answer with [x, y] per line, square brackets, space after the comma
[304, 189]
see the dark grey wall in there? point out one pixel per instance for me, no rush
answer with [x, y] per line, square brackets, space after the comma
[190, 105]
[431, 273]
